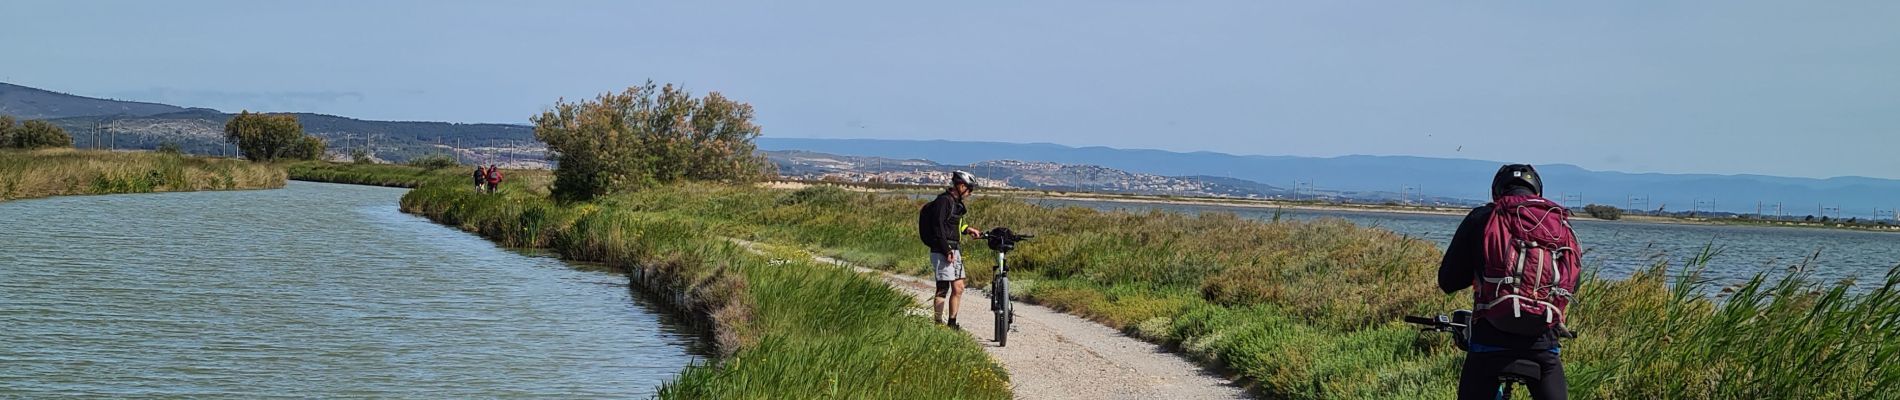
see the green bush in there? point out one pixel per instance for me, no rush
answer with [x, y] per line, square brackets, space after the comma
[1604, 212]
[648, 135]
[33, 134]
[271, 137]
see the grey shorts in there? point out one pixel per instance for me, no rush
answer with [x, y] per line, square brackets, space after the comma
[946, 270]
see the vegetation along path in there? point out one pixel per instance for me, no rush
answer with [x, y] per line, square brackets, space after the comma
[1060, 356]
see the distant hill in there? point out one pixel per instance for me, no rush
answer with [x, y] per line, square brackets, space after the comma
[102, 123]
[1456, 178]
[29, 103]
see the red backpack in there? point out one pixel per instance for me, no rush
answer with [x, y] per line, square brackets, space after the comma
[1531, 266]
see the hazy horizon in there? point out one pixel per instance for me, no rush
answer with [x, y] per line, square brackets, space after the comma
[1622, 86]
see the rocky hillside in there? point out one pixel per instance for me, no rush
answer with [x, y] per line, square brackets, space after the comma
[29, 103]
[104, 123]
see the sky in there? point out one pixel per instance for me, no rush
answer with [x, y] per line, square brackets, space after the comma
[1807, 89]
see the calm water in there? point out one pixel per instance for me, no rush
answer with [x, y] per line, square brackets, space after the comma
[316, 290]
[1621, 248]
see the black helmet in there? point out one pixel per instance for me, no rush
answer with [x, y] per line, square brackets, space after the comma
[964, 178]
[1516, 175]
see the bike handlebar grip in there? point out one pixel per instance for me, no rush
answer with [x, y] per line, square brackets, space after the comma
[1420, 320]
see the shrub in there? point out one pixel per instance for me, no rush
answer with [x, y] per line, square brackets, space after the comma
[271, 137]
[648, 135]
[170, 147]
[1600, 211]
[34, 134]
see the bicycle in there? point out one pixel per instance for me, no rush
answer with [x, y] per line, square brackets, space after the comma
[1002, 241]
[1458, 324]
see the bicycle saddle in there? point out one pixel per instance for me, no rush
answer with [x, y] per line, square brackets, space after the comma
[1523, 371]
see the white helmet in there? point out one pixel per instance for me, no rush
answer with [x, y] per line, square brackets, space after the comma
[964, 178]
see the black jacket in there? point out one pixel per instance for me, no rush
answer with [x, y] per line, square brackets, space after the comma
[940, 223]
[1460, 268]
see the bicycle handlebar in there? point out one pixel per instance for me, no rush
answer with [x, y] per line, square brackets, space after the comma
[1421, 320]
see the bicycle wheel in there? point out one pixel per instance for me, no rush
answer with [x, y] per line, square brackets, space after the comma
[1001, 296]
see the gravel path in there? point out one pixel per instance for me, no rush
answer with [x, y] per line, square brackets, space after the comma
[1052, 355]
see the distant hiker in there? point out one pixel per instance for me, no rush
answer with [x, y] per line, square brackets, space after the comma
[494, 177]
[481, 178]
[1522, 257]
[939, 225]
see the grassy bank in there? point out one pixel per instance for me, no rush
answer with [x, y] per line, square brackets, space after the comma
[62, 172]
[1309, 309]
[391, 175]
[786, 328]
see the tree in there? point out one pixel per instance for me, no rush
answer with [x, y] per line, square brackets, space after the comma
[648, 135]
[35, 134]
[170, 147]
[1604, 212]
[271, 137]
[6, 131]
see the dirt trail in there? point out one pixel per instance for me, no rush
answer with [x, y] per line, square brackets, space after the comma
[1052, 355]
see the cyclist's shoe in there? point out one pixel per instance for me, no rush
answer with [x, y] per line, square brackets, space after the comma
[953, 324]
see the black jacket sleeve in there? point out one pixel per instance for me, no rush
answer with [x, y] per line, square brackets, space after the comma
[1466, 252]
[951, 219]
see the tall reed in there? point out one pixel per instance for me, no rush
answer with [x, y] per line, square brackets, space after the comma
[60, 172]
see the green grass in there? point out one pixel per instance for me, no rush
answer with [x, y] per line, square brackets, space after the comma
[1308, 310]
[60, 172]
[391, 175]
[786, 328]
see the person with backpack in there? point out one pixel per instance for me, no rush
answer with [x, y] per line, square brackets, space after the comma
[494, 177]
[939, 226]
[481, 177]
[1521, 258]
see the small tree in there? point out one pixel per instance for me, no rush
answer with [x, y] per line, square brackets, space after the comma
[37, 134]
[170, 147]
[648, 135]
[271, 137]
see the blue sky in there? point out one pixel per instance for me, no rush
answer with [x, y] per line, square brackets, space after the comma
[1784, 88]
